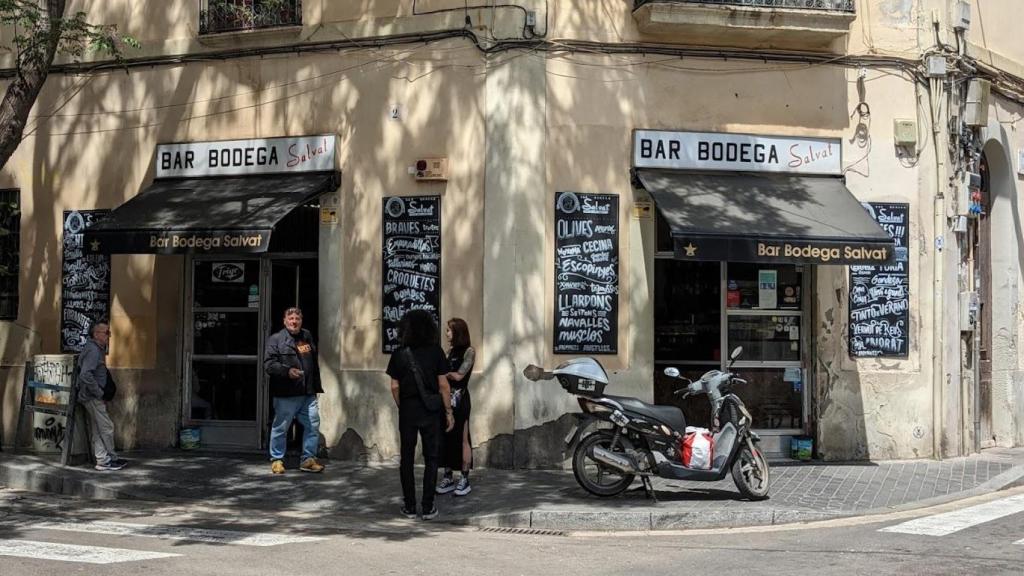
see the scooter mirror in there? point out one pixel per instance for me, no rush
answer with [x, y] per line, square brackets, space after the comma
[736, 353]
[533, 373]
[672, 372]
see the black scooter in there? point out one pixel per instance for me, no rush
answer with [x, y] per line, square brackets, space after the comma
[618, 438]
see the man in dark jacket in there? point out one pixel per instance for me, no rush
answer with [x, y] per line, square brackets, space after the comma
[92, 377]
[291, 363]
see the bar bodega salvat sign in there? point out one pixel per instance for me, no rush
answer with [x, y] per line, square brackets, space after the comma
[586, 273]
[243, 157]
[880, 295]
[85, 284]
[411, 273]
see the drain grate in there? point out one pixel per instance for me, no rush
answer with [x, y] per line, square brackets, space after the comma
[524, 531]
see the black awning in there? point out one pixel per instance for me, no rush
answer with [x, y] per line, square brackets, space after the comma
[766, 218]
[205, 215]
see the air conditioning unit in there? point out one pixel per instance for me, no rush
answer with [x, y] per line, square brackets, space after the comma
[432, 169]
[976, 111]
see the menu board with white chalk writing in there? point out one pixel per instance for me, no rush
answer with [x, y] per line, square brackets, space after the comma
[586, 273]
[880, 295]
[85, 291]
[411, 274]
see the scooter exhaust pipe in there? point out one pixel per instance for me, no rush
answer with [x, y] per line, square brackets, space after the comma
[617, 461]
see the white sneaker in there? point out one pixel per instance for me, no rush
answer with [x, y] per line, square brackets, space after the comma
[463, 487]
[446, 485]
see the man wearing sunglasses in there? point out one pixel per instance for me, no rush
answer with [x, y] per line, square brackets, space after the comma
[92, 379]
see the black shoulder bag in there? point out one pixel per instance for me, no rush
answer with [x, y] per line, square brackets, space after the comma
[432, 402]
[110, 388]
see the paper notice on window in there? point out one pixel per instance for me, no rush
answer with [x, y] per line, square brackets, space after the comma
[767, 289]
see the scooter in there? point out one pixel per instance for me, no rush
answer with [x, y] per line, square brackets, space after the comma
[618, 438]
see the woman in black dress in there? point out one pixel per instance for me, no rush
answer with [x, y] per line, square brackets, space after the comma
[420, 388]
[457, 451]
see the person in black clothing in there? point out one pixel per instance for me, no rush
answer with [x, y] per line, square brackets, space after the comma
[291, 363]
[420, 388]
[457, 450]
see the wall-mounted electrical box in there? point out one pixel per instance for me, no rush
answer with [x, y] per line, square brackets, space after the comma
[970, 309]
[976, 110]
[961, 16]
[432, 169]
[905, 133]
[935, 65]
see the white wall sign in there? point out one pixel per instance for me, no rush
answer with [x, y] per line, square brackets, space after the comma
[736, 152]
[245, 157]
[1020, 161]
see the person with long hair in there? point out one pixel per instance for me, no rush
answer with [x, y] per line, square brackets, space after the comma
[457, 450]
[419, 385]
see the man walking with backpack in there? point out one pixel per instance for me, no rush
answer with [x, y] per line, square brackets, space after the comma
[93, 379]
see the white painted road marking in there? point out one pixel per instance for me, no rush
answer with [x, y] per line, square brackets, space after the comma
[177, 533]
[75, 553]
[950, 522]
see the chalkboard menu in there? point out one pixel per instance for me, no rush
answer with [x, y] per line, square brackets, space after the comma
[411, 275]
[85, 292]
[586, 273]
[880, 295]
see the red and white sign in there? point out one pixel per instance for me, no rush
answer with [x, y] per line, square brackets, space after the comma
[736, 152]
[246, 157]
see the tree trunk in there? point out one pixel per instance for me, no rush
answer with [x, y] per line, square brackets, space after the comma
[33, 67]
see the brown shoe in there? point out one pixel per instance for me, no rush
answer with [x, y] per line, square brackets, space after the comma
[277, 467]
[311, 465]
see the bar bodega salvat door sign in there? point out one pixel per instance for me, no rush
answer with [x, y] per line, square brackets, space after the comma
[85, 291]
[880, 295]
[586, 273]
[411, 271]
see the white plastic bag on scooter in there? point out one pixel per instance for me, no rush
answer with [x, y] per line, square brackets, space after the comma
[698, 448]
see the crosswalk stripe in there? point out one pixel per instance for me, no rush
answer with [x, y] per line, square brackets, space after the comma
[75, 553]
[177, 533]
[950, 522]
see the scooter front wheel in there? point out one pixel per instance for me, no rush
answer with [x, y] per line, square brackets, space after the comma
[596, 477]
[750, 473]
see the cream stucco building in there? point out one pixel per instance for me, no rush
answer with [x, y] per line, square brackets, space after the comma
[775, 120]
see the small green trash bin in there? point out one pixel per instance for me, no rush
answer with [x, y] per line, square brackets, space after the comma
[801, 448]
[189, 437]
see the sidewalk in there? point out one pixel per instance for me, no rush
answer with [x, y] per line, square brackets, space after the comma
[526, 499]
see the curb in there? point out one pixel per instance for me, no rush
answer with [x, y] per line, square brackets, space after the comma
[45, 478]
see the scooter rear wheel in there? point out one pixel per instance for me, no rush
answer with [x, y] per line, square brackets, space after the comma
[596, 477]
[750, 473]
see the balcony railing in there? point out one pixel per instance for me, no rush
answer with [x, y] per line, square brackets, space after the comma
[216, 16]
[827, 5]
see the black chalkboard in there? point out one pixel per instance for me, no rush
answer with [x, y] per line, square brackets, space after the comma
[586, 273]
[411, 274]
[880, 295]
[85, 291]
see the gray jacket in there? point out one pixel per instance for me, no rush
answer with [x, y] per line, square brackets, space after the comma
[92, 372]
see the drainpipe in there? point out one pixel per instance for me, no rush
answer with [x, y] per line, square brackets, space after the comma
[935, 94]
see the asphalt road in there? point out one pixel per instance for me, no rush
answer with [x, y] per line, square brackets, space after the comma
[41, 535]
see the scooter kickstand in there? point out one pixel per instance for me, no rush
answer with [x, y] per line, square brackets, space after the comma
[649, 488]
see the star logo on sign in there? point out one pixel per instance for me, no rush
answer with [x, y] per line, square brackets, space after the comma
[95, 245]
[691, 250]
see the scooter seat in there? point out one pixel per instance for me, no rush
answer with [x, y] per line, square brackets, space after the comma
[671, 416]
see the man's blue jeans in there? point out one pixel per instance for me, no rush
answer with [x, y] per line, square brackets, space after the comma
[287, 408]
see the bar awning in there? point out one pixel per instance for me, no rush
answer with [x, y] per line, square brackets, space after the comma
[205, 215]
[748, 217]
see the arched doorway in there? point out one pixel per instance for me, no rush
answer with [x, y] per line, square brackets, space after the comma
[982, 270]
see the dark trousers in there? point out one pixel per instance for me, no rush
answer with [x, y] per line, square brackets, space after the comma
[412, 421]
